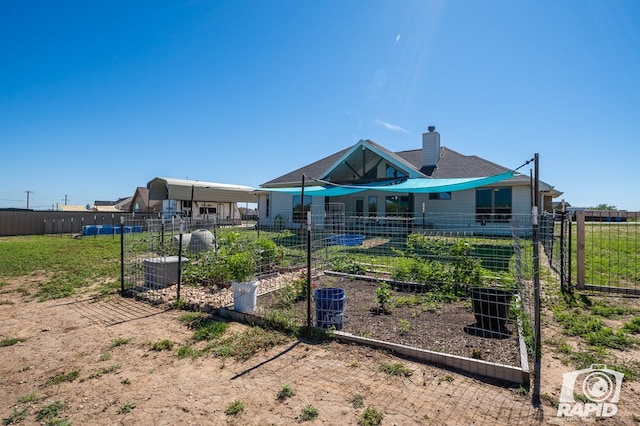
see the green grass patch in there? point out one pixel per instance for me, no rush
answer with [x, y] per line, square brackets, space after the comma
[11, 341]
[632, 326]
[243, 346]
[162, 345]
[110, 369]
[70, 264]
[16, 416]
[119, 342]
[32, 397]
[395, 369]
[61, 378]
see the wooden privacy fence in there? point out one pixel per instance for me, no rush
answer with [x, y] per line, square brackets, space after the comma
[25, 222]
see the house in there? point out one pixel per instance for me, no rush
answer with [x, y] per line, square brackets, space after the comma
[425, 187]
[199, 199]
[140, 202]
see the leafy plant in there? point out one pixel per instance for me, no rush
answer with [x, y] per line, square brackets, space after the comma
[384, 296]
[404, 326]
[126, 408]
[286, 392]
[370, 417]
[235, 408]
[309, 413]
[242, 266]
[32, 397]
[16, 416]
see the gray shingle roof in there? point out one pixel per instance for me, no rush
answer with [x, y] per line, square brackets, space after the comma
[451, 165]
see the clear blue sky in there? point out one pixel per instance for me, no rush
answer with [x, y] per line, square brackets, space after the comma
[99, 97]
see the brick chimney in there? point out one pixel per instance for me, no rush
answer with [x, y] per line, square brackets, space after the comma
[430, 148]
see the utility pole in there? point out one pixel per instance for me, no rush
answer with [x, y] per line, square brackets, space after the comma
[65, 199]
[28, 193]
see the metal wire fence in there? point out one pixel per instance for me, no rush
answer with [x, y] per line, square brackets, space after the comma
[449, 284]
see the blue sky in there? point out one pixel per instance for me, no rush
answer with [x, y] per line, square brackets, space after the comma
[97, 98]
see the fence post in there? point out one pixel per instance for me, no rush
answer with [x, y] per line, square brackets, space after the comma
[122, 254]
[563, 255]
[580, 258]
[179, 262]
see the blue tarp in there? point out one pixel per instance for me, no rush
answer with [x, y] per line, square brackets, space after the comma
[416, 186]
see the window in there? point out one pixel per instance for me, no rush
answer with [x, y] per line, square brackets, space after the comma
[440, 196]
[298, 215]
[396, 204]
[359, 206]
[373, 205]
[268, 204]
[493, 204]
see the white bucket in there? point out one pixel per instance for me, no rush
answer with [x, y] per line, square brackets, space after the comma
[245, 296]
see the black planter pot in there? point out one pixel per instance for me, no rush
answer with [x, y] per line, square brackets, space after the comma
[491, 310]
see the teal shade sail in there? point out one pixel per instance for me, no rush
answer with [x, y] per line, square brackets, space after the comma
[416, 186]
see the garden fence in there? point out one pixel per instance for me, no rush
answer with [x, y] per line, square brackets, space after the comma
[408, 281]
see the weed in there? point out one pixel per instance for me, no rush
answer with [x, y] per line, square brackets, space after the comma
[105, 356]
[555, 402]
[125, 381]
[286, 392]
[608, 338]
[32, 397]
[370, 417]
[162, 345]
[112, 368]
[308, 413]
[395, 369]
[69, 377]
[188, 352]
[50, 411]
[16, 416]
[209, 329]
[243, 346]
[404, 326]
[11, 341]
[357, 401]
[126, 408]
[448, 378]
[632, 326]
[235, 408]
[476, 353]
[119, 342]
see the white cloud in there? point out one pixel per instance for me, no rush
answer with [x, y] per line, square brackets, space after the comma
[391, 127]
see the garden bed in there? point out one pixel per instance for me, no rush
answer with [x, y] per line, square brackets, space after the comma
[434, 326]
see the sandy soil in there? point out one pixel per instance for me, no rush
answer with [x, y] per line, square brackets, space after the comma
[75, 334]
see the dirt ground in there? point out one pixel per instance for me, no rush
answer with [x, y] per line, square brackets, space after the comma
[157, 388]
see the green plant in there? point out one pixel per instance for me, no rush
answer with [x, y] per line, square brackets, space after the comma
[384, 296]
[50, 411]
[357, 401]
[370, 417]
[448, 378]
[309, 412]
[632, 326]
[235, 408]
[16, 416]
[61, 378]
[11, 341]
[162, 345]
[404, 326]
[32, 397]
[125, 381]
[395, 369]
[242, 266]
[286, 392]
[105, 356]
[119, 342]
[127, 407]
[209, 329]
[111, 369]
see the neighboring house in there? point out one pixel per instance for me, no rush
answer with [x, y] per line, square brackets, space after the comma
[198, 199]
[375, 182]
[140, 202]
